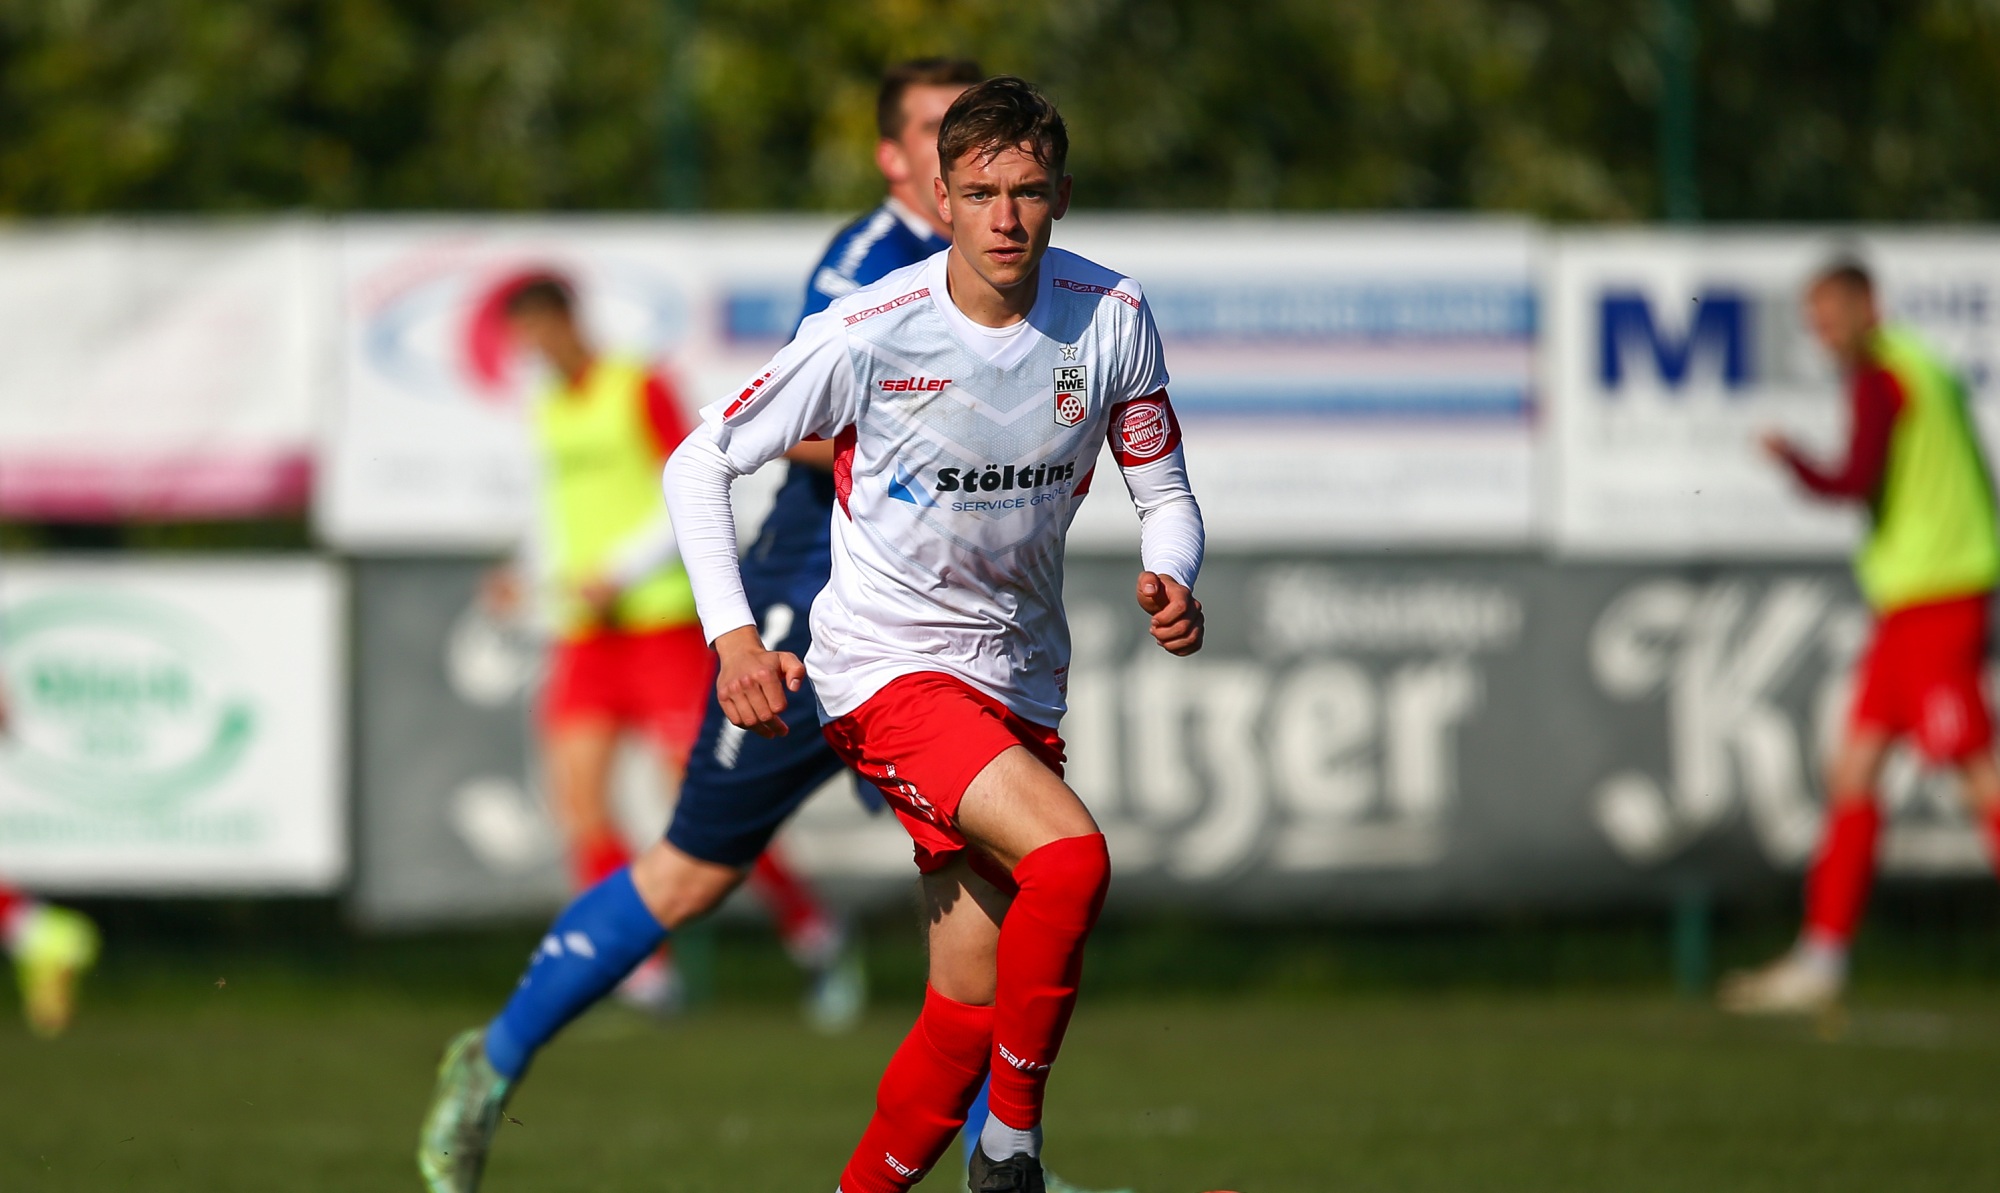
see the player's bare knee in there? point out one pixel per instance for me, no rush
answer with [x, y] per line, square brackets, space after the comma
[677, 888]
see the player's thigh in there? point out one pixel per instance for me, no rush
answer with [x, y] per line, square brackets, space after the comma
[1016, 805]
[677, 887]
[579, 754]
[1857, 762]
[964, 912]
[1979, 777]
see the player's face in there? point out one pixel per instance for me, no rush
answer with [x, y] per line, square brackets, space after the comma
[548, 333]
[1841, 318]
[1001, 210]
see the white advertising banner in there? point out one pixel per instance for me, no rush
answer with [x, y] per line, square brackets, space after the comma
[1670, 353]
[1340, 380]
[428, 446]
[172, 726]
[159, 370]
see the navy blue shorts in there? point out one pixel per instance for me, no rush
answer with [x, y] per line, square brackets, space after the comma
[740, 788]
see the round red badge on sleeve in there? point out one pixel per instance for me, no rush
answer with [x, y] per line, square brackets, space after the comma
[1142, 430]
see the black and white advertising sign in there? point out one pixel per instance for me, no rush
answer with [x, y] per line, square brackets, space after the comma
[1360, 735]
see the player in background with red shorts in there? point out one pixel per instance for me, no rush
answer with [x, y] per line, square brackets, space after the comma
[1927, 568]
[629, 654]
[968, 398]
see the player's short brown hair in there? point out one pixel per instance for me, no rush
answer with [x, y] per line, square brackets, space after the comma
[1003, 113]
[917, 72]
[1846, 272]
[539, 292]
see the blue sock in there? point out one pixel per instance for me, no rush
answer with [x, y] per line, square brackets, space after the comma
[593, 944]
[975, 1119]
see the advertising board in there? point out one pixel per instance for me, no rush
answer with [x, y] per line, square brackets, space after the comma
[173, 727]
[1360, 735]
[160, 370]
[1340, 380]
[1668, 354]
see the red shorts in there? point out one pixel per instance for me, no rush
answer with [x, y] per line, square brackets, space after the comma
[1922, 677]
[922, 740]
[656, 682]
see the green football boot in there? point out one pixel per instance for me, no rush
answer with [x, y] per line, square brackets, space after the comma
[838, 996]
[465, 1111]
[56, 948]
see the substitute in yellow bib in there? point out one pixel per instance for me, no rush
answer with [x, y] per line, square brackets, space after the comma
[629, 652]
[1927, 567]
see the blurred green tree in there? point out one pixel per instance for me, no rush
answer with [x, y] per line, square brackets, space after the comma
[1806, 109]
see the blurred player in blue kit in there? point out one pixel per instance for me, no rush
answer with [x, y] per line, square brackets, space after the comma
[739, 787]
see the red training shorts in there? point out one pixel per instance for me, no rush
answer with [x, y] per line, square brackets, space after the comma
[655, 682]
[1922, 676]
[922, 740]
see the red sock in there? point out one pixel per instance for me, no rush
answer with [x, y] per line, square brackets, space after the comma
[1837, 885]
[921, 1103]
[12, 903]
[594, 859]
[1041, 960]
[803, 924]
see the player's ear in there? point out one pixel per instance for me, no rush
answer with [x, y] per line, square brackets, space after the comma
[890, 159]
[943, 194]
[1062, 196]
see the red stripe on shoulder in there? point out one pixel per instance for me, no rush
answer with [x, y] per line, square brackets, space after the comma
[901, 300]
[1130, 300]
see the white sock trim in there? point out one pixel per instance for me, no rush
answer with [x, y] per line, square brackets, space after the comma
[999, 1141]
[1823, 955]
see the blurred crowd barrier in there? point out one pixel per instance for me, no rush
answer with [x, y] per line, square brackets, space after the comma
[1506, 607]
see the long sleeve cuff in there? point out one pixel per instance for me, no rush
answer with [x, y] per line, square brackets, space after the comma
[697, 479]
[1171, 537]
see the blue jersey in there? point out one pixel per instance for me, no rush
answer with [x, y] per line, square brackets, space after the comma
[794, 550]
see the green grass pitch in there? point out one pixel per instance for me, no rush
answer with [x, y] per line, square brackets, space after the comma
[237, 1090]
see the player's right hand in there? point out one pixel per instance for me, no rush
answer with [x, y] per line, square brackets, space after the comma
[751, 683]
[1178, 622]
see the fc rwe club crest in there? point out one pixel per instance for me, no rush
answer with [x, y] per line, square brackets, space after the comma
[1072, 394]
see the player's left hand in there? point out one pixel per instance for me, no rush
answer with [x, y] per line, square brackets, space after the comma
[1775, 445]
[1178, 623]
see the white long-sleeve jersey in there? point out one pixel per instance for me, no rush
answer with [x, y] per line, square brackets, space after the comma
[962, 452]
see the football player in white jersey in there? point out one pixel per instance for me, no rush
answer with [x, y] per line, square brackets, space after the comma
[967, 398]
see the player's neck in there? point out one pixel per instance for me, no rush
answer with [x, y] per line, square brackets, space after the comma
[573, 363]
[904, 196]
[983, 302]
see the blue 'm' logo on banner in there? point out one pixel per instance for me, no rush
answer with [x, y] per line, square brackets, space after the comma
[1719, 328]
